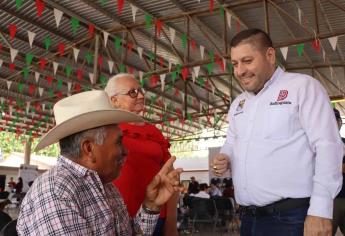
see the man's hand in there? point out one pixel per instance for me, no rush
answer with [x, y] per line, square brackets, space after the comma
[317, 226]
[163, 185]
[220, 164]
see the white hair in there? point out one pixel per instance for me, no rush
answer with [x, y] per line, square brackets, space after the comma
[111, 87]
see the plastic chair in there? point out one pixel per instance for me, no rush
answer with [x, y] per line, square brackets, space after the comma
[9, 229]
[204, 211]
[225, 210]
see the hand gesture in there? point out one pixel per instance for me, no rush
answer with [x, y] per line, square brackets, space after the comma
[163, 185]
[315, 226]
[220, 164]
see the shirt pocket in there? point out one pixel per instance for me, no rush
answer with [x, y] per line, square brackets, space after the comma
[279, 122]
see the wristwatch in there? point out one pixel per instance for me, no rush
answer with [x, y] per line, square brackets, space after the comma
[149, 211]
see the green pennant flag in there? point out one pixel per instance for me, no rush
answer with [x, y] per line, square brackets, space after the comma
[300, 48]
[75, 24]
[184, 40]
[153, 99]
[142, 82]
[122, 68]
[211, 55]
[117, 43]
[178, 68]
[89, 57]
[148, 20]
[201, 81]
[173, 76]
[46, 118]
[189, 100]
[210, 67]
[168, 88]
[103, 80]
[216, 119]
[19, 3]
[51, 93]
[68, 70]
[28, 58]
[47, 42]
[86, 88]
[59, 84]
[229, 66]
[20, 87]
[103, 2]
[189, 117]
[221, 10]
[26, 72]
[20, 103]
[151, 56]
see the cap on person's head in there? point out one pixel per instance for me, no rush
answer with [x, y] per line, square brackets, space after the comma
[83, 111]
[336, 113]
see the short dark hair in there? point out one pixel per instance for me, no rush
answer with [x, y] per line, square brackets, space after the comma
[336, 113]
[203, 187]
[253, 36]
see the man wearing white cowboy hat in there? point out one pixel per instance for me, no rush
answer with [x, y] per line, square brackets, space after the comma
[76, 197]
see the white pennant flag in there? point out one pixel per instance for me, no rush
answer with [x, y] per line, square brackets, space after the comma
[141, 74]
[40, 91]
[182, 95]
[11, 109]
[2, 100]
[58, 15]
[8, 84]
[170, 64]
[333, 41]
[193, 76]
[299, 15]
[134, 11]
[196, 70]
[162, 78]
[14, 53]
[324, 55]
[140, 51]
[91, 76]
[331, 70]
[55, 66]
[37, 76]
[228, 19]
[284, 51]
[43, 107]
[105, 37]
[172, 35]
[1, 61]
[27, 107]
[69, 86]
[202, 51]
[111, 66]
[76, 53]
[213, 89]
[31, 36]
[200, 106]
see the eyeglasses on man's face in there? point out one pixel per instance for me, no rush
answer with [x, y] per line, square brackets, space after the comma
[133, 93]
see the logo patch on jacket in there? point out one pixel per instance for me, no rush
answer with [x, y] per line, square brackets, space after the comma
[282, 95]
[240, 105]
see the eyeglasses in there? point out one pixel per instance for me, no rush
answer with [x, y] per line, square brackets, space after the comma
[133, 93]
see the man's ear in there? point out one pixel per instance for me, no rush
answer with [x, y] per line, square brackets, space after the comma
[87, 149]
[114, 101]
[271, 55]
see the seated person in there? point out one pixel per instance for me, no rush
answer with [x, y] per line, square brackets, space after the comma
[77, 197]
[4, 217]
[215, 191]
[203, 192]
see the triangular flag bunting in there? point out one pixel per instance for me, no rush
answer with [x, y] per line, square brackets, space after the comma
[69, 85]
[13, 29]
[105, 37]
[202, 51]
[76, 53]
[134, 11]
[284, 51]
[13, 53]
[299, 15]
[169, 66]
[40, 91]
[193, 76]
[8, 84]
[120, 4]
[333, 41]
[228, 19]
[91, 76]
[111, 66]
[55, 66]
[140, 51]
[172, 34]
[37, 76]
[196, 70]
[58, 15]
[162, 79]
[1, 61]
[31, 36]
[27, 107]
[40, 7]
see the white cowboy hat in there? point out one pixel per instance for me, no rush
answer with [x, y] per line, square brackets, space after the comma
[84, 111]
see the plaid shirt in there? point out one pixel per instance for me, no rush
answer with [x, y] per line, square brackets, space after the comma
[70, 199]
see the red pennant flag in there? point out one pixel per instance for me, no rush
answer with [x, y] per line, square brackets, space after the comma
[184, 73]
[43, 63]
[58, 94]
[38, 108]
[100, 60]
[238, 26]
[12, 67]
[161, 61]
[40, 7]
[159, 25]
[207, 84]
[154, 80]
[13, 29]
[130, 46]
[77, 87]
[211, 5]
[61, 48]
[91, 30]
[120, 4]
[193, 44]
[31, 89]
[316, 45]
[79, 74]
[130, 70]
[177, 92]
[49, 79]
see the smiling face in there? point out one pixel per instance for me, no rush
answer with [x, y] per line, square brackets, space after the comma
[110, 156]
[122, 100]
[253, 67]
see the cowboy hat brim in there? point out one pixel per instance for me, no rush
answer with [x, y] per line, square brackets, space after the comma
[86, 121]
